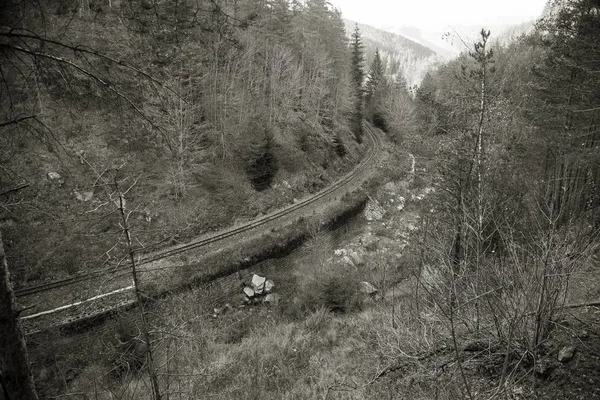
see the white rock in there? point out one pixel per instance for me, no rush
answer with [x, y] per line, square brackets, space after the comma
[84, 196]
[566, 354]
[340, 252]
[347, 260]
[367, 288]
[373, 211]
[356, 259]
[269, 285]
[53, 176]
[402, 203]
[258, 283]
[248, 291]
[271, 298]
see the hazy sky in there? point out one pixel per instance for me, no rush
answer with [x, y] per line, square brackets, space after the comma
[430, 14]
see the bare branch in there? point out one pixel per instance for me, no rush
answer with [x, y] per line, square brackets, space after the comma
[17, 120]
[84, 71]
[86, 50]
[587, 110]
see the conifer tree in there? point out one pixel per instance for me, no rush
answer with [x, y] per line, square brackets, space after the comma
[357, 73]
[568, 95]
[261, 164]
[375, 91]
[375, 78]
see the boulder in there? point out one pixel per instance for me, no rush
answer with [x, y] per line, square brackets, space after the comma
[401, 203]
[249, 292]
[367, 288]
[271, 298]
[269, 285]
[356, 258]
[258, 283]
[373, 211]
[244, 299]
[84, 196]
[566, 354]
[54, 176]
[340, 252]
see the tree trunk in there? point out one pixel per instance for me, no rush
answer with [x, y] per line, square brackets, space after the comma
[145, 330]
[16, 379]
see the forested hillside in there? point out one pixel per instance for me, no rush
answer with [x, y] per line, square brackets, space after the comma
[218, 111]
[472, 272]
[401, 56]
[512, 234]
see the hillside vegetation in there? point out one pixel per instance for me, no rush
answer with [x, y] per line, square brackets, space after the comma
[472, 273]
[218, 112]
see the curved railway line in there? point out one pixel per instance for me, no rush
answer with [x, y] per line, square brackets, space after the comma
[344, 182]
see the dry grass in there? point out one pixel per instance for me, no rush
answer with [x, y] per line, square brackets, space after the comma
[397, 345]
[303, 348]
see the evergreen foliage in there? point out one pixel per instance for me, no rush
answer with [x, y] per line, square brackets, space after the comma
[172, 88]
[357, 74]
[567, 96]
[262, 164]
[375, 91]
[515, 131]
[340, 147]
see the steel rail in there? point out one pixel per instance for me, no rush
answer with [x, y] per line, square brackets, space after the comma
[365, 162]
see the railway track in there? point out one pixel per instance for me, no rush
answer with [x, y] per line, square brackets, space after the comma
[147, 259]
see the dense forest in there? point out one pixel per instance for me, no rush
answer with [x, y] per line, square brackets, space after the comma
[204, 105]
[513, 131]
[141, 124]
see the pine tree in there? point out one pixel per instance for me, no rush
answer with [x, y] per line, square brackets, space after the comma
[340, 147]
[568, 96]
[357, 74]
[375, 78]
[358, 59]
[375, 92]
[261, 163]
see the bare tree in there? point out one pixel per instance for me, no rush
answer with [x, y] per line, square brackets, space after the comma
[124, 214]
[16, 380]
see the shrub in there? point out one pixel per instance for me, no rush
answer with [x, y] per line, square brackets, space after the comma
[340, 147]
[262, 164]
[323, 285]
[379, 121]
[303, 141]
[340, 294]
[235, 332]
[126, 352]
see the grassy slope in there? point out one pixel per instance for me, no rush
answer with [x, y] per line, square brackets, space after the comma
[394, 345]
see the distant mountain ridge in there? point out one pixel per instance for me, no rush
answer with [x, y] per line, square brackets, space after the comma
[401, 55]
[453, 40]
